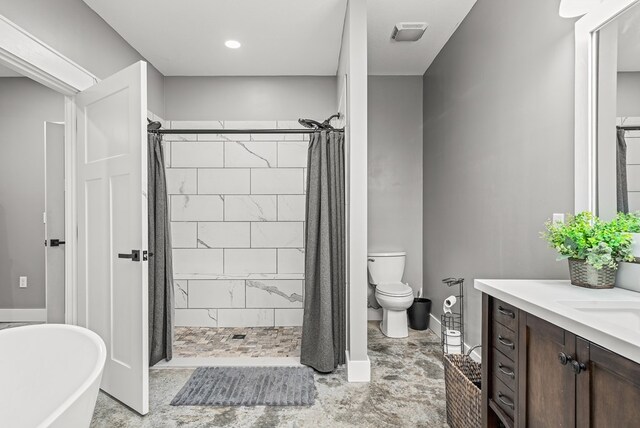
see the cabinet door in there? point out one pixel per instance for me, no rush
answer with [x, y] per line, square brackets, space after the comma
[607, 389]
[547, 388]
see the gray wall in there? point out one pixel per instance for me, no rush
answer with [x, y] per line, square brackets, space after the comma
[628, 94]
[249, 98]
[498, 148]
[24, 107]
[395, 169]
[73, 29]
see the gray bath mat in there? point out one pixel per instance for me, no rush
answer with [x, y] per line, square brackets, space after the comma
[248, 386]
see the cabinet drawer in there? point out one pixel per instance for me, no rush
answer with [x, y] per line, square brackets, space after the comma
[504, 340]
[504, 369]
[503, 397]
[505, 314]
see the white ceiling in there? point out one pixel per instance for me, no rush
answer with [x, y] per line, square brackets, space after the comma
[411, 58]
[7, 72]
[279, 37]
[186, 38]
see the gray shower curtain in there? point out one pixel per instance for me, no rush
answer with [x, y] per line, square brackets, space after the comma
[160, 264]
[621, 172]
[324, 322]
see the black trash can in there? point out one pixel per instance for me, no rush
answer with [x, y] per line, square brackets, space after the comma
[418, 313]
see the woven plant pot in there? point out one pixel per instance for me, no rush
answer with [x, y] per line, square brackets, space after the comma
[585, 275]
[463, 396]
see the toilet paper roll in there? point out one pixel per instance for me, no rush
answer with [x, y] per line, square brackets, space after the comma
[452, 342]
[453, 349]
[452, 337]
[448, 303]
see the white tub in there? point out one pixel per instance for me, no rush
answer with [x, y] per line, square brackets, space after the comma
[49, 375]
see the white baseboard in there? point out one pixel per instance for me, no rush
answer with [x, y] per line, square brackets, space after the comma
[23, 315]
[436, 326]
[358, 371]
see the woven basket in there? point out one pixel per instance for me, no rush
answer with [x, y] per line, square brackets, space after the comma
[463, 397]
[585, 275]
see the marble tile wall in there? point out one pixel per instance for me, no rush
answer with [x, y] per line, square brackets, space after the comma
[237, 207]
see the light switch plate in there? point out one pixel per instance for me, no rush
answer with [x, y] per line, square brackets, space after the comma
[23, 282]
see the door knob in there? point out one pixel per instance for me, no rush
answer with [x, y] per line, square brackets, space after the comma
[564, 358]
[578, 367]
[55, 242]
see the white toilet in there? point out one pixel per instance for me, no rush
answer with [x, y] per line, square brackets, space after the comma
[385, 273]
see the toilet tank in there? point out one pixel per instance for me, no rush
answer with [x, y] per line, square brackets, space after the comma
[386, 267]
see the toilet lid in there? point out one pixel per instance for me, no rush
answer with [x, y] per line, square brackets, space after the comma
[394, 289]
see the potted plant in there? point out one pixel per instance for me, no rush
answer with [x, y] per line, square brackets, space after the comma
[629, 273]
[630, 222]
[593, 247]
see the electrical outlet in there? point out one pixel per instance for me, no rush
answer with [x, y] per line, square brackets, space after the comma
[558, 218]
[23, 282]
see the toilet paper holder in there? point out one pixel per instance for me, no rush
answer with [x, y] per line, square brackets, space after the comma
[452, 320]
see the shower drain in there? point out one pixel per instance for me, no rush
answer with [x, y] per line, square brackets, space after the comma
[239, 336]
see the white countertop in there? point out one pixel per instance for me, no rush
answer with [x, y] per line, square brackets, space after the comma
[609, 318]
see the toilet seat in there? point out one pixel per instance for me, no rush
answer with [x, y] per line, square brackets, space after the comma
[394, 289]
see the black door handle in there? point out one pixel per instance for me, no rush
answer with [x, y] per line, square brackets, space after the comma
[134, 256]
[55, 242]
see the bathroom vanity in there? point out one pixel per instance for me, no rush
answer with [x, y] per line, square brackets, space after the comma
[557, 355]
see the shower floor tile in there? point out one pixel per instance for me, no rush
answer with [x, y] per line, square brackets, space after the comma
[203, 342]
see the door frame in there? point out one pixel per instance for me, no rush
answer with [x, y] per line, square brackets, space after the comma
[29, 56]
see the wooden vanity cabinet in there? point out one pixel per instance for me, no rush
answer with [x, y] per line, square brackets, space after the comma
[608, 390]
[536, 374]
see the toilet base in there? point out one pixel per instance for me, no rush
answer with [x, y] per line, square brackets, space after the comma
[394, 323]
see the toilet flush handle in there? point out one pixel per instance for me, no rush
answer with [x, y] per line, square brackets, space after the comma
[371, 260]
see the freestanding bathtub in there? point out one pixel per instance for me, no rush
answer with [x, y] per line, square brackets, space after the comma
[49, 375]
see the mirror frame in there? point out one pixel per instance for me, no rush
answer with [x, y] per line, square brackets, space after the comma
[586, 100]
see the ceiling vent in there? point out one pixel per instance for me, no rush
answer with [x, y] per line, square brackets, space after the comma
[408, 31]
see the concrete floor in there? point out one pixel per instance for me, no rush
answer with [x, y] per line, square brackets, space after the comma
[406, 390]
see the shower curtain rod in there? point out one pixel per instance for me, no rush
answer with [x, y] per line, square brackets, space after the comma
[239, 131]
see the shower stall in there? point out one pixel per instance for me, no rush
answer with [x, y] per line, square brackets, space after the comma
[237, 195]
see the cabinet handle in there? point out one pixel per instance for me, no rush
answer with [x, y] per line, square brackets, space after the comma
[506, 370]
[564, 358]
[506, 312]
[578, 367]
[507, 402]
[506, 342]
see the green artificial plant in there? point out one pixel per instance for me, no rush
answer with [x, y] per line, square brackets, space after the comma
[586, 237]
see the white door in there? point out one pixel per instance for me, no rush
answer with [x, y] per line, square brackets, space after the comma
[112, 227]
[54, 220]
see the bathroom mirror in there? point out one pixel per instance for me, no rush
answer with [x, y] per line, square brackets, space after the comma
[607, 134]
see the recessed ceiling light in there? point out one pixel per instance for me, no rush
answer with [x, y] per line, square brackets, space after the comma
[232, 44]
